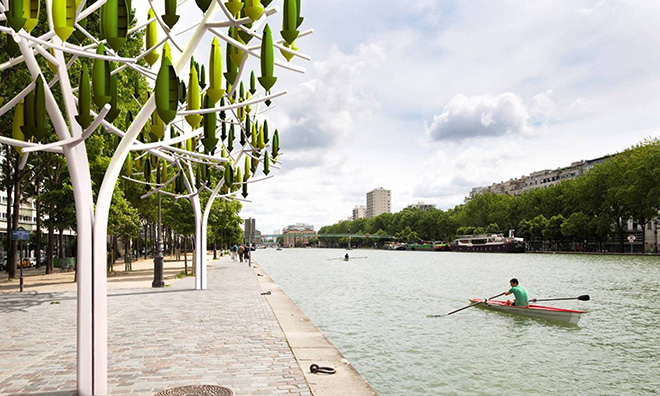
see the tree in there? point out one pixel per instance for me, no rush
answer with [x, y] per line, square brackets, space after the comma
[123, 223]
[552, 231]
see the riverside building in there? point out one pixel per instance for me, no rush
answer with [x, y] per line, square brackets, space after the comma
[378, 201]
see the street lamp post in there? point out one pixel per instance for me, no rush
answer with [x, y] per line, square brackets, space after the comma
[158, 257]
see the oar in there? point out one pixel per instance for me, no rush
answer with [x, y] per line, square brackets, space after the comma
[581, 298]
[466, 307]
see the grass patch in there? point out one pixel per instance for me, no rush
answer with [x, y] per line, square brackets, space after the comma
[182, 274]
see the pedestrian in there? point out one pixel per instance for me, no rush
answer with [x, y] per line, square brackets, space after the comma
[246, 254]
[240, 253]
[519, 292]
[234, 249]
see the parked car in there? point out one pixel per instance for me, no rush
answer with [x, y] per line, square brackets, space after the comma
[26, 263]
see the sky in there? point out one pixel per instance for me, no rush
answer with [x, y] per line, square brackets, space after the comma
[432, 98]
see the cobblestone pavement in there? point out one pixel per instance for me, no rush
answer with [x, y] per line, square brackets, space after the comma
[157, 338]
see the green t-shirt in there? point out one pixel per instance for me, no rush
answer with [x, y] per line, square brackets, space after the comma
[521, 296]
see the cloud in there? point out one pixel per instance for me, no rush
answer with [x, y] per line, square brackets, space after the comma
[332, 104]
[481, 116]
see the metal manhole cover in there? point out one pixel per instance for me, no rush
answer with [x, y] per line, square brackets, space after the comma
[197, 390]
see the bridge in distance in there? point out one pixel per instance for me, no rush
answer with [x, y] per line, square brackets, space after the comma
[330, 236]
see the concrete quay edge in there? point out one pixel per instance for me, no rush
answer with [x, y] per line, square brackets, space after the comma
[310, 346]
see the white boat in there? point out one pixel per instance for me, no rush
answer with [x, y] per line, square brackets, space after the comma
[533, 311]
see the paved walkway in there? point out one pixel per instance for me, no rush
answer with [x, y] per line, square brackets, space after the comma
[157, 339]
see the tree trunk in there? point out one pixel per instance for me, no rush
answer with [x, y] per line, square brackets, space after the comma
[51, 248]
[60, 244]
[37, 247]
[185, 255]
[146, 234]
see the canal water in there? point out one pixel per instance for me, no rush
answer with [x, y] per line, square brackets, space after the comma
[375, 311]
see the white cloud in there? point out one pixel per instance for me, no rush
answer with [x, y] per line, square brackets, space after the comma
[484, 115]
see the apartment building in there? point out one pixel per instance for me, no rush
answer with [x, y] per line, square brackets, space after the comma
[359, 212]
[378, 201]
[297, 235]
[538, 179]
[421, 206]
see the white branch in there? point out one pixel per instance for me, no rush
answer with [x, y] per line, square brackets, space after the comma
[253, 100]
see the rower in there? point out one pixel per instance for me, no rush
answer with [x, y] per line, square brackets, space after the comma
[519, 292]
[346, 256]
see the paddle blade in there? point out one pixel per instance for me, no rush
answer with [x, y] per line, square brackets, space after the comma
[584, 298]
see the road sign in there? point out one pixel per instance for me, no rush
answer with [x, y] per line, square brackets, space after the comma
[21, 234]
[631, 238]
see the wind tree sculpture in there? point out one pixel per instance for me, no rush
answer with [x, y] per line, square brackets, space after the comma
[177, 125]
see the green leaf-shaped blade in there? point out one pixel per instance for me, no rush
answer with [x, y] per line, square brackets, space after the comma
[84, 99]
[232, 70]
[114, 107]
[31, 13]
[203, 4]
[147, 173]
[170, 18]
[209, 141]
[287, 54]
[128, 169]
[246, 168]
[253, 9]
[157, 127]
[64, 17]
[290, 21]
[167, 91]
[235, 53]
[151, 39]
[16, 19]
[40, 110]
[244, 192]
[17, 125]
[229, 175]
[255, 164]
[11, 47]
[275, 148]
[231, 138]
[202, 78]
[260, 140]
[115, 23]
[234, 6]
[136, 87]
[265, 131]
[215, 90]
[267, 80]
[266, 163]
[193, 98]
[253, 83]
[101, 79]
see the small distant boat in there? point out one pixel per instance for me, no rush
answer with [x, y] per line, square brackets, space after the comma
[533, 311]
[493, 243]
[348, 258]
